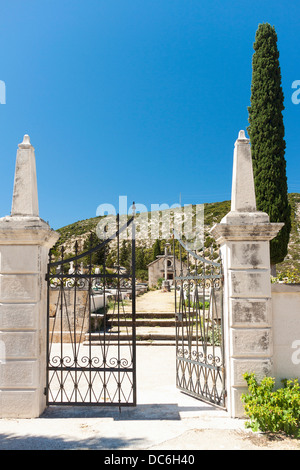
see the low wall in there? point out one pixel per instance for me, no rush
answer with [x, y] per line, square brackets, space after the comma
[286, 331]
[56, 323]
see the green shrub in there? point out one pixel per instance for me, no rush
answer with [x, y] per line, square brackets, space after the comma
[215, 335]
[189, 303]
[272, 410]
[287, 277]
[141, 275]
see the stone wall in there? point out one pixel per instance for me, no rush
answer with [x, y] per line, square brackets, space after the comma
[62, 315]
[286, 331]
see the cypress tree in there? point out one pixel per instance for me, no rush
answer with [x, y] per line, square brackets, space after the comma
[140, 259]
[125, 255]
[266, 133]
[156, 249]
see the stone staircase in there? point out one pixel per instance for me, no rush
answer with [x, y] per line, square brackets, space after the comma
[155, 321]
[154, 328]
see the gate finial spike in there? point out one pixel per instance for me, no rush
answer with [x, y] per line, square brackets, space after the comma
[133, 208]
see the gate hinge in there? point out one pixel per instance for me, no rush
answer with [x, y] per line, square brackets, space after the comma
[45, 391]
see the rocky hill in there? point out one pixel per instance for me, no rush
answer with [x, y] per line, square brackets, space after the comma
[292, 260]
[213, 213]
[161, 222]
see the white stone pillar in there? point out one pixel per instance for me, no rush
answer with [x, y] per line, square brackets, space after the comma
[25, 240]
[244, 235]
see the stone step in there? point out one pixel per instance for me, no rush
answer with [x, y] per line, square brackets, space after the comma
[151, 322]
[143, 319]
[144, 335]
[144, 314]
[157, 328]
[151, 327]
[139, 342]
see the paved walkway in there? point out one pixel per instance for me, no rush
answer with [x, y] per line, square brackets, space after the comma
[155, 317]
[155, 301]
[164, 419]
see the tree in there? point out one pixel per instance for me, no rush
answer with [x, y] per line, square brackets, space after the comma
[266, 132]
[156, 249]
[125, 255]
[140, 259]
[99, 256]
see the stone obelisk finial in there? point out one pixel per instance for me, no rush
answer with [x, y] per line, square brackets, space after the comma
[25, 195]
[243, 192]
[243, 201]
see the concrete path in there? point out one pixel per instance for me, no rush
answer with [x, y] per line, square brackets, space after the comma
[164, 419]
[154, 301]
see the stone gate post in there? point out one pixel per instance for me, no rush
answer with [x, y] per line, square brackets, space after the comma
[244, 235]
[25, 240]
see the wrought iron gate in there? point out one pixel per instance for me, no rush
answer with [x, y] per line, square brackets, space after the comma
[91, 326]
[199, 325]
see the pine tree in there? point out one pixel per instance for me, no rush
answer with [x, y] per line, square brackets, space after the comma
[266, 132]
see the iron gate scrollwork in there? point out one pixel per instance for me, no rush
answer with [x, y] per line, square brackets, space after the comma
[91, 326]
[200, 370]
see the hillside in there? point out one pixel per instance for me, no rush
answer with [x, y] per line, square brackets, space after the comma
[292, 260]
[213, 213]
[79, 231]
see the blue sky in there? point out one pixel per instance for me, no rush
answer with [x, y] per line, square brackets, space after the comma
[136, 98]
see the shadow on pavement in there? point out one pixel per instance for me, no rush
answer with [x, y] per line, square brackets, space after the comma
[26, 442]
[164, 411]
